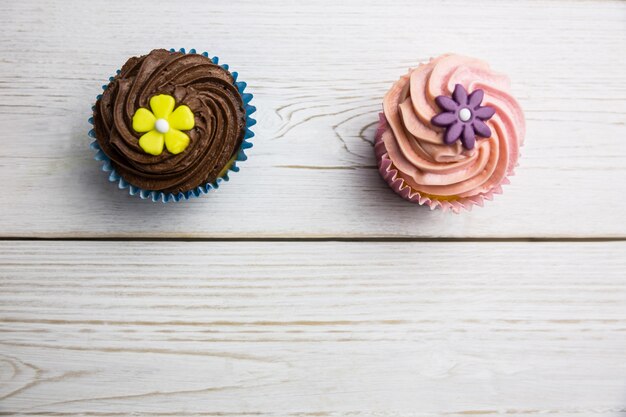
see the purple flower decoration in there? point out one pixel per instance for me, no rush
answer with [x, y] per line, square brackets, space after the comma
[463, 117]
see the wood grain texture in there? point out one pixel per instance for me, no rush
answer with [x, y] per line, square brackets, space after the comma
[312, 329]
[318, 71]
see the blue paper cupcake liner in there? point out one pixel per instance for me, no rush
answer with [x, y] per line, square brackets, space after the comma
[155, 196]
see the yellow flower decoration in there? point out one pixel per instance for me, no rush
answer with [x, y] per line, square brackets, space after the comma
[163, 125]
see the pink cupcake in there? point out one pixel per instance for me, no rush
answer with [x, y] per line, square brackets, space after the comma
[450, 133]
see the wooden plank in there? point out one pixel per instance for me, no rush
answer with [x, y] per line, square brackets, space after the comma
[312, 329]
[319, 71]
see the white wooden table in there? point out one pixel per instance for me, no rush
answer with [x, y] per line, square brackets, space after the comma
[305, 287]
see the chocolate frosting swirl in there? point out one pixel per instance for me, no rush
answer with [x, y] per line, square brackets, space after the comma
[193, 80]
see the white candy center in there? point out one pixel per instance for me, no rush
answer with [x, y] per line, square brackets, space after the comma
[465, 114]
[162, 126]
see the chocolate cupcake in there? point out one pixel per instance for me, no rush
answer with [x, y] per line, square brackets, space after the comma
[449, 134]
[170, 125]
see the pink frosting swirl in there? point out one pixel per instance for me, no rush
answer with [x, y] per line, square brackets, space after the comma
[416, 148]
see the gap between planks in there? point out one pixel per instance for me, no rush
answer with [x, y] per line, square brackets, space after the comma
[305, 239]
